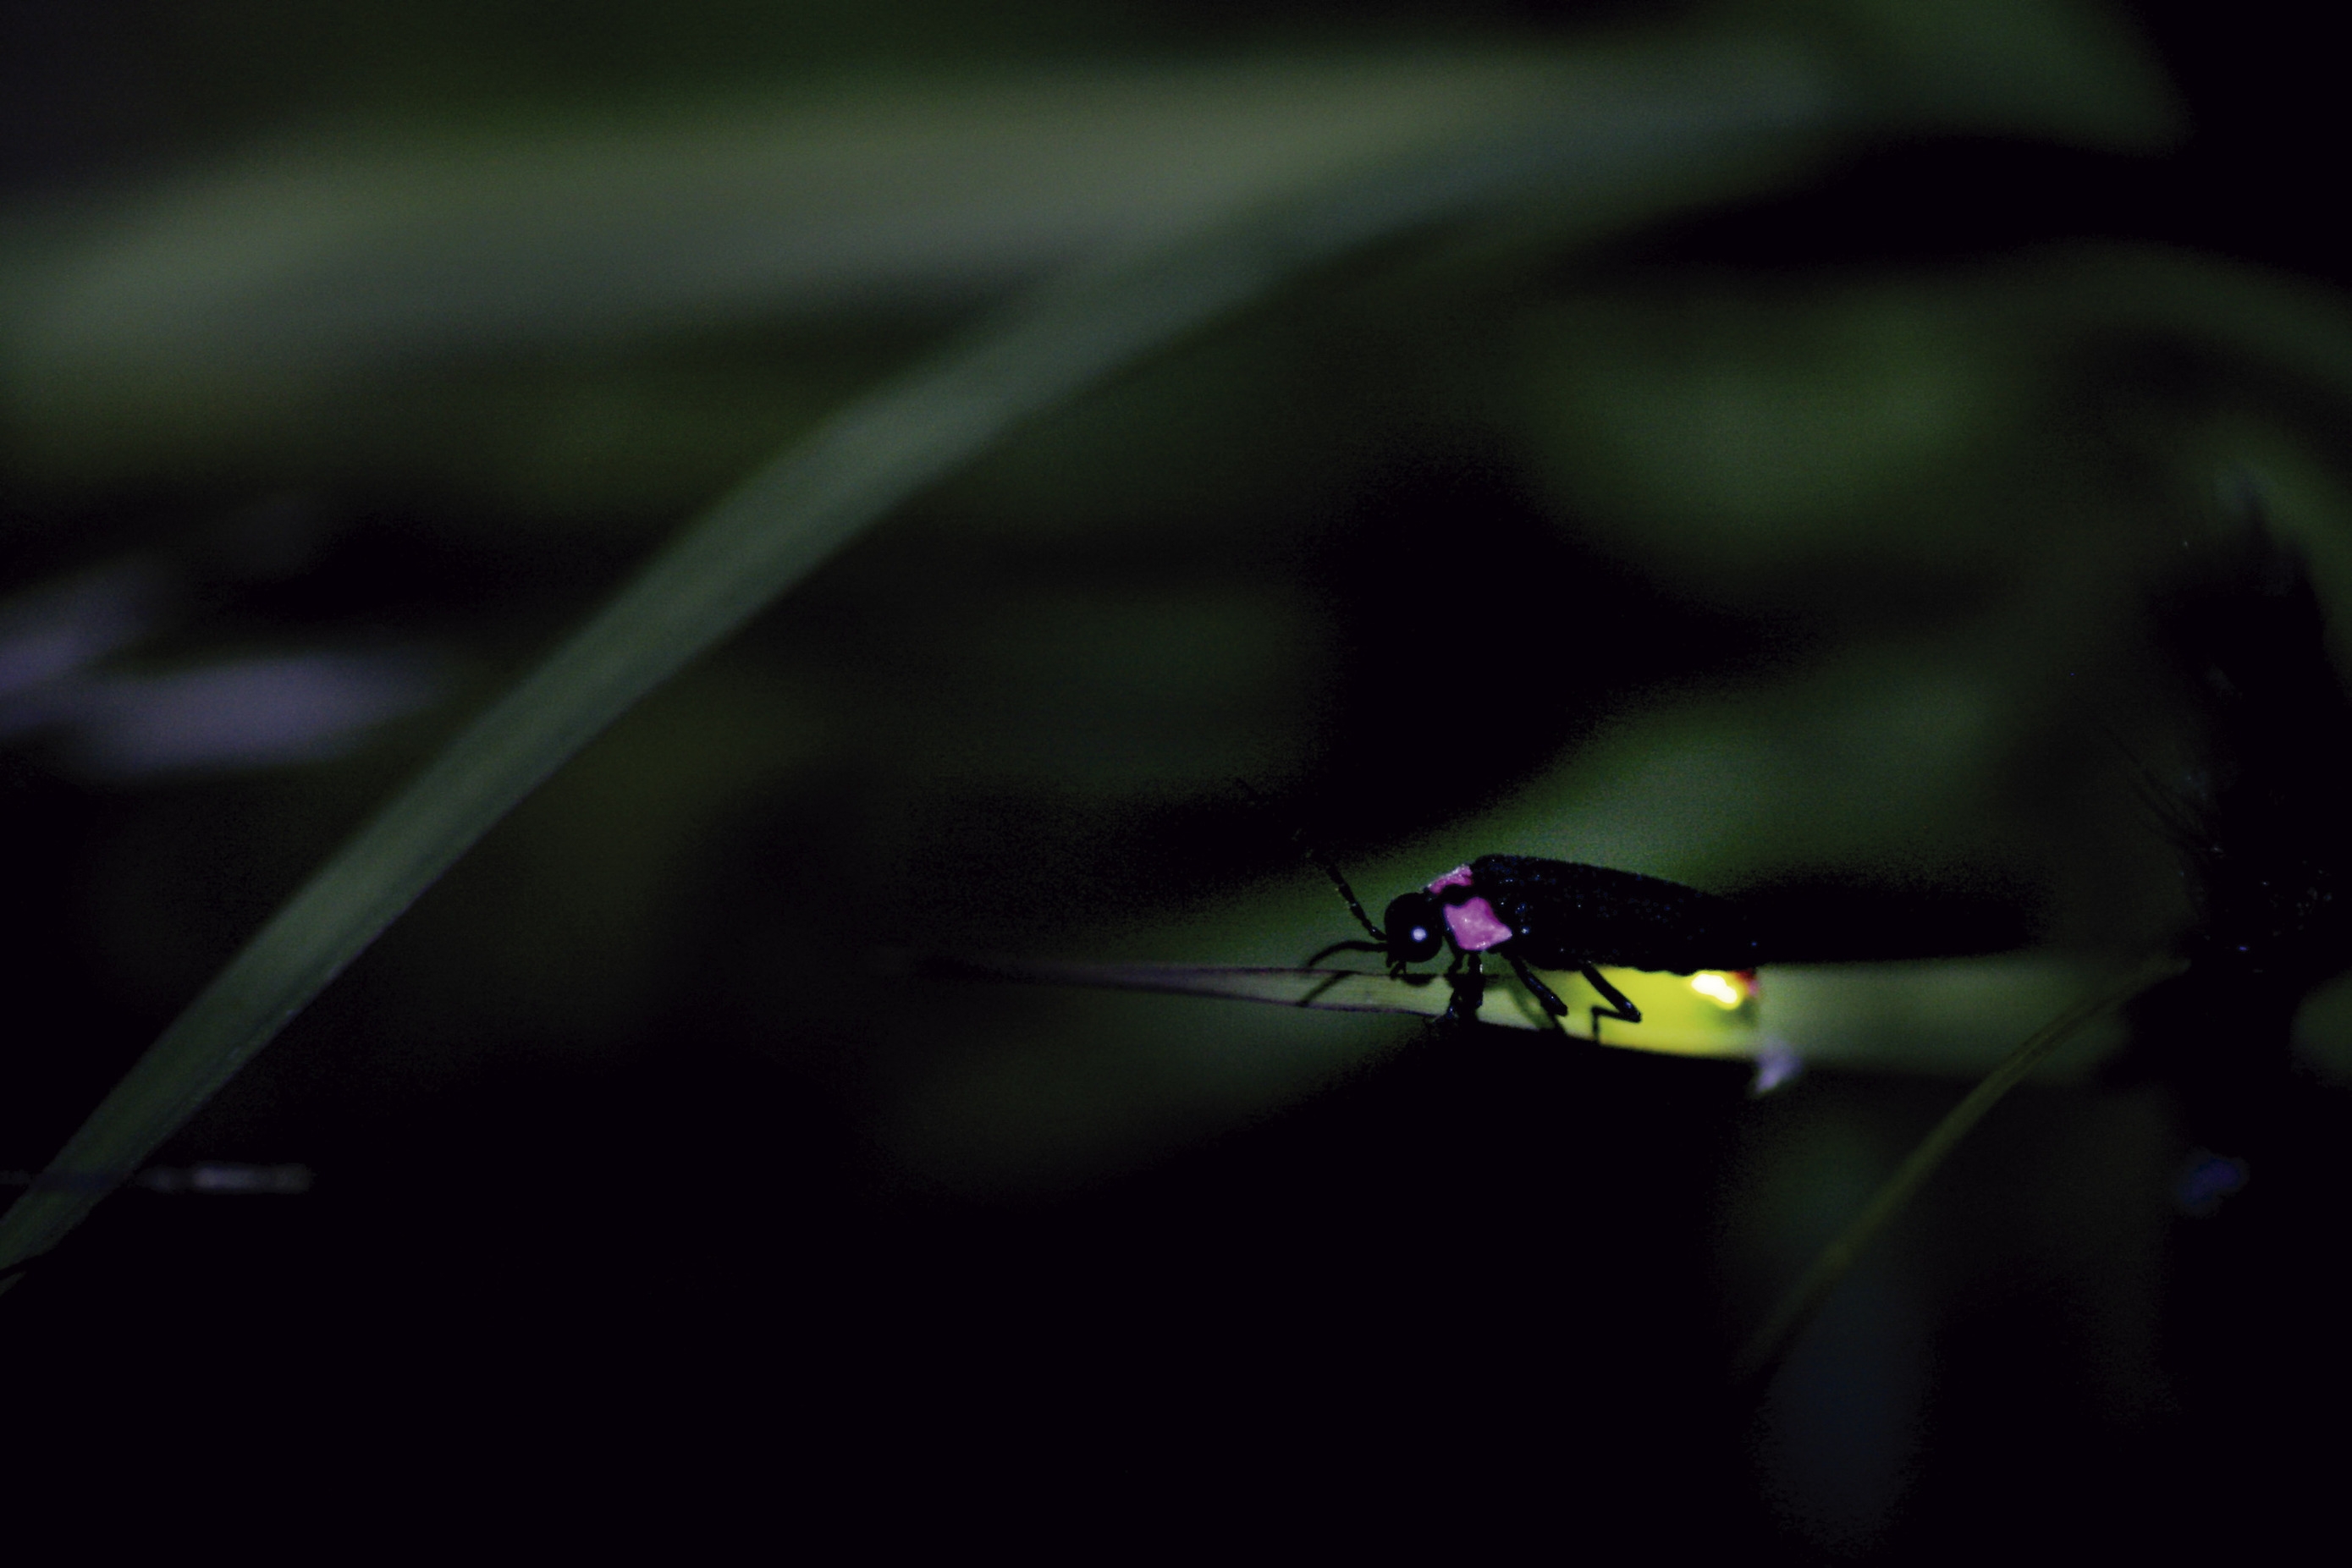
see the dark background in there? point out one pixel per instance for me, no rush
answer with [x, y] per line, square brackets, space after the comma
[578, 1216]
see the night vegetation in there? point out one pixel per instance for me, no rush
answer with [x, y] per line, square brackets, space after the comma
[584, 586]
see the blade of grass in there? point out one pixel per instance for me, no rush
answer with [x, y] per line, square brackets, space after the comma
[1796, 1308]
[1607, 152]
[1330, 990]
[1504, 1004]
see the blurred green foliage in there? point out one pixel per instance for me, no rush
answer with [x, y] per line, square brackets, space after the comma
[1653, 518]
[1916, 508]
[1569, 528]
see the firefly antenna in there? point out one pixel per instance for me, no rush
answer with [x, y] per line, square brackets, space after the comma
[1306, 847]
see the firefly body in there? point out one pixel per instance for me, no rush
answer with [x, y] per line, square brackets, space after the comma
[1541, 913]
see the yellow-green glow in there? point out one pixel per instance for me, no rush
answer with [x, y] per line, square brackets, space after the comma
[1712, 1013]
[1717, 988]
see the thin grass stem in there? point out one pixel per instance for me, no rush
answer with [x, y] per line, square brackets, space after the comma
[1771, 1341]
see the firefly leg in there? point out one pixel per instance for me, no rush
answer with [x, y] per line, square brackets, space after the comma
[1619, 1006]
[1468, 982]
[1554, 1009]
[1345, 947]
[1311, 998]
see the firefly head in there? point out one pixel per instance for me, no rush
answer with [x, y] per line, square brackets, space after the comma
[1416, 928]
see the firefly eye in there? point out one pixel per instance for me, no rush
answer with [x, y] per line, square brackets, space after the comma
[1416, 928]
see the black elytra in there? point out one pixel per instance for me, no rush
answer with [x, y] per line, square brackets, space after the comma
[1540, 913]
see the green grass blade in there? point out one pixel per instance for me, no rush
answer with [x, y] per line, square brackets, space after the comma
[1677, 1022]
[1617, 145]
